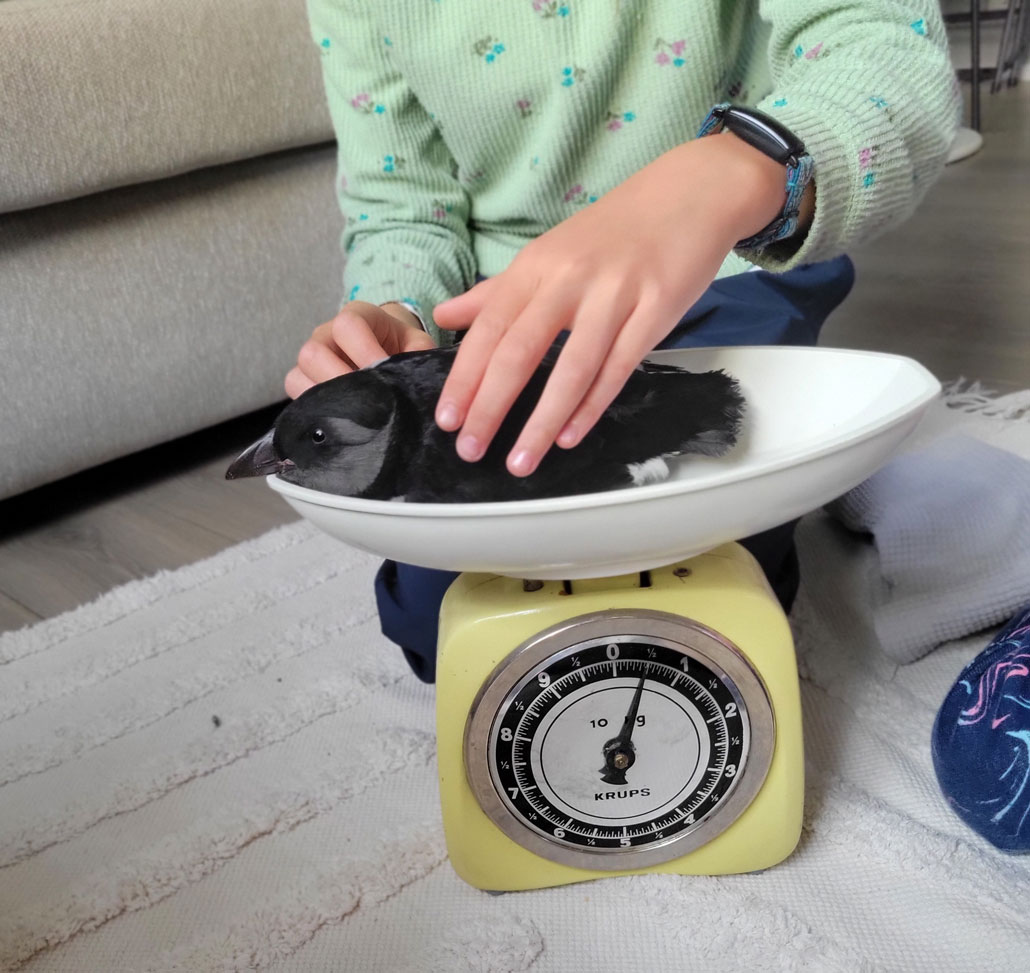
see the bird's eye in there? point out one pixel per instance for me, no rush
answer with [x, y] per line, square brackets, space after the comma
[318, 437]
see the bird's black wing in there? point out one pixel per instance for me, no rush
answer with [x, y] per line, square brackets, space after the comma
[665, 411]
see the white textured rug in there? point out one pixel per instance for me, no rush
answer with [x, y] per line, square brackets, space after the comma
[227, 767]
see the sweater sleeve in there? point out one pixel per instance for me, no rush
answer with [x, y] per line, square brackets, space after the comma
[406, 234]
[869, 88]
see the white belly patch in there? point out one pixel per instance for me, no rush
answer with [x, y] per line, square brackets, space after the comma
[653, 471]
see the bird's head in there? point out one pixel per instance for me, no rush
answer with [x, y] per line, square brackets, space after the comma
[335, 437]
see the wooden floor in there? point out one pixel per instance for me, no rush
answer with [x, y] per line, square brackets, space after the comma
[950, 288]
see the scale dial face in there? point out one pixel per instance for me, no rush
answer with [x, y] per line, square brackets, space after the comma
[619, 740]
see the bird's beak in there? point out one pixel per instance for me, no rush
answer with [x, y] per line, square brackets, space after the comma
[258, 459]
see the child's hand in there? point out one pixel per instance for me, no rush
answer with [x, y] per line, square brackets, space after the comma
[618, 274]
[361, 334]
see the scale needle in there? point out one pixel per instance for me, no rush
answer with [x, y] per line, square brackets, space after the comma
[619, 752]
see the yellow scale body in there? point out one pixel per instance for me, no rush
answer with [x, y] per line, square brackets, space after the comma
[485, 617]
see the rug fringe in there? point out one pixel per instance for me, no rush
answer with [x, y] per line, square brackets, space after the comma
[972, 397]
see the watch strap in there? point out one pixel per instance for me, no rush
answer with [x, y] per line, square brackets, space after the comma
[779, 143]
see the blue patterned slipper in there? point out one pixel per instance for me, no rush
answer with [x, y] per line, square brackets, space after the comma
[981, 740]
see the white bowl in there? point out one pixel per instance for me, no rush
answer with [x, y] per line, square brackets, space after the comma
[818, 421]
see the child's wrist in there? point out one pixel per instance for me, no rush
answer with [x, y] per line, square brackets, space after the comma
[402, 314]
[749, 186]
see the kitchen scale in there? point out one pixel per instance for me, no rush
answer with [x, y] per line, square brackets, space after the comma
[616, 684]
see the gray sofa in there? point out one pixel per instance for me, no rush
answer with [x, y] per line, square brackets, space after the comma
[168, 229]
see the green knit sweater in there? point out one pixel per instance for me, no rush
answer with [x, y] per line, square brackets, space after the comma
[467, 128]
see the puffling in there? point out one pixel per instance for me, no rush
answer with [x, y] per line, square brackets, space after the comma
[371, 433]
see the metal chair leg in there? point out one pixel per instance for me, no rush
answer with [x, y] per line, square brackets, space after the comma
[1022, 42]
[974, 63]
[1008, 41]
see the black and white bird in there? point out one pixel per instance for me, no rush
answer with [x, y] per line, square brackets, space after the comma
[371, 433]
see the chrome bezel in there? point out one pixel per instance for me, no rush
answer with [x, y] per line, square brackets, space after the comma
[682, 634]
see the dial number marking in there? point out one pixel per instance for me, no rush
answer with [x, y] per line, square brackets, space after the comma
[686, 735]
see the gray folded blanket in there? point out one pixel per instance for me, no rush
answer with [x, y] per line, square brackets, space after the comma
[951, 525]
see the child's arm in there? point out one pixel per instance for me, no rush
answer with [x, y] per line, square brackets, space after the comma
[868, 88]
[406, 236]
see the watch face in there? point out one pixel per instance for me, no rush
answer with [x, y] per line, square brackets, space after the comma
[619, 740]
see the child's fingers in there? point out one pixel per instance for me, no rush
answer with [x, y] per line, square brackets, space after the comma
[319, 362]
[474, 354]
[511, 365]
[594, 329]
[296, 382]
[353, 335]
[632, 344]
[461, 311]
[417, 341]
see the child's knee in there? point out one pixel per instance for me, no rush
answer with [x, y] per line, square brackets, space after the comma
[408, 598]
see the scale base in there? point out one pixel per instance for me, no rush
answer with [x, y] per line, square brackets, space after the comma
[485, 617]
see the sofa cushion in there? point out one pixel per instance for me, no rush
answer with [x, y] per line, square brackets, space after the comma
[147, 312]
[96, 94]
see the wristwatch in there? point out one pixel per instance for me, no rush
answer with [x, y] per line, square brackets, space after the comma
[779, 143]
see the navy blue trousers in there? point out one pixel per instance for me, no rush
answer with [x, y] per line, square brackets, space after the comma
[757, 308]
